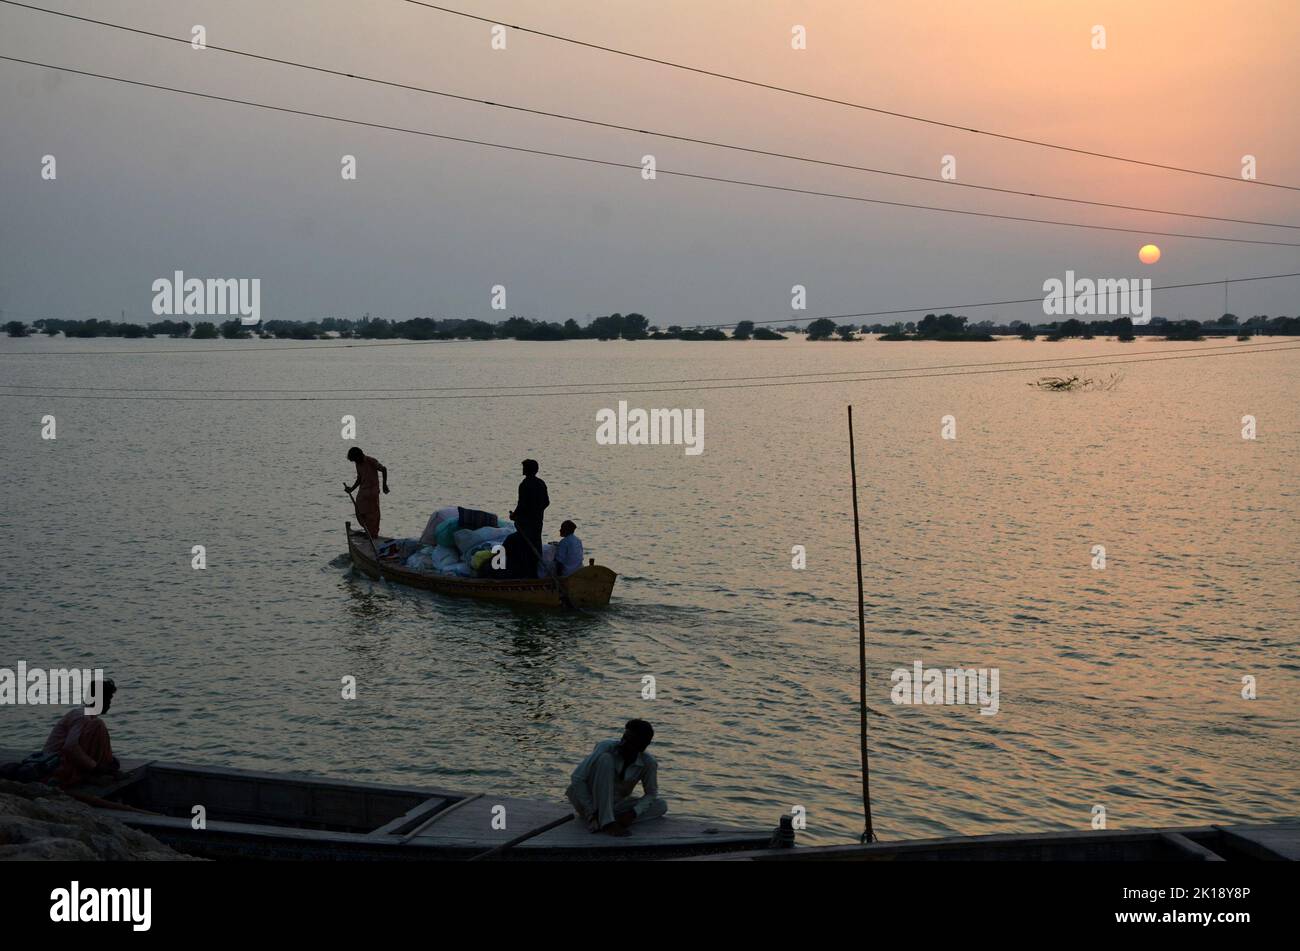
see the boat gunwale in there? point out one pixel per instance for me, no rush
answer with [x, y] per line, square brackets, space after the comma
[395, 840]
[953, 846]
[296, 778]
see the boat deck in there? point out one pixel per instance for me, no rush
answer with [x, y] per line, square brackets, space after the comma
[471, 826]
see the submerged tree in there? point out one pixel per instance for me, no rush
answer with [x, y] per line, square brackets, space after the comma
[821, 329]
[1065, 384]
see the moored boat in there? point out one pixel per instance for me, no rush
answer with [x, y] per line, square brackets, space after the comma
[250, 814]
[588, 587]
[1263, 842]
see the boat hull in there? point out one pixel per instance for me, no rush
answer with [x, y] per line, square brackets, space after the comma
[1275, 841]
[589, 587]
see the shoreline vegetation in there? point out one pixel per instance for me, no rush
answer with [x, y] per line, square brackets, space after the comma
[942, 327]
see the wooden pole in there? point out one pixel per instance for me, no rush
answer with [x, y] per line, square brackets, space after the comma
[374, 546]
[565, 601]
[532, 833]
[868, 833]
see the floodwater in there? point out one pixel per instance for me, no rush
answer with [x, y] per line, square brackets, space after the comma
[1119, 687]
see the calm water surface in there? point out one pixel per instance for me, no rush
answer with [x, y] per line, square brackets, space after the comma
[1119, 687]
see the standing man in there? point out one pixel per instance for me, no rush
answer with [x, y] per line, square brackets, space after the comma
[602, 785]
[369, 471]
[527, 516]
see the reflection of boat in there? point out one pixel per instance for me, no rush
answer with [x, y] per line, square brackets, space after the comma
[257, 815]
[588, 587]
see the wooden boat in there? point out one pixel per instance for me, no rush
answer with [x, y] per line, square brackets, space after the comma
[588, 587]
[260, 815]
[1270, 842]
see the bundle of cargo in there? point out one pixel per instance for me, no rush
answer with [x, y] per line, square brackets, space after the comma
[452, 539]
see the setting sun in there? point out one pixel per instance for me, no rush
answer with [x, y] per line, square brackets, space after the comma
[1149, 254]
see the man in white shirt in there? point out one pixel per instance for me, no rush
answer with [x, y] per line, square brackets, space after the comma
[602, 785]
[568, 553]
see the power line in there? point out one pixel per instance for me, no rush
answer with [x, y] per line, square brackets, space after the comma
[998, 303]
[620, 383]
[843, 102]
[28, 313]
[636, 167]
[626, 392]
[634, 129]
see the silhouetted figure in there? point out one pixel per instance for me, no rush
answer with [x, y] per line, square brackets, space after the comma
[369, 471]
[527, 516]
[517, 558]
[602, 785]
[81, 742]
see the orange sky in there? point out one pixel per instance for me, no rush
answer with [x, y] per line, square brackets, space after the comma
[150, 182]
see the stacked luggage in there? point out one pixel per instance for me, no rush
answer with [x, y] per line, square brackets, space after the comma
[456, 541]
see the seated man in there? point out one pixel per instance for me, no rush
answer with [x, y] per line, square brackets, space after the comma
[602, 785]
[568, 553]
[81, 741]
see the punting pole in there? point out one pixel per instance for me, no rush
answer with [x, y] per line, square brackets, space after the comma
[531, 833]
[565, 601]
[374, 546]
[868, 833]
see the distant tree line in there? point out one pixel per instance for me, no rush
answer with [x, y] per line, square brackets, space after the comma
[638, 327]
[952, 327]
[99, 328]
[611, 327]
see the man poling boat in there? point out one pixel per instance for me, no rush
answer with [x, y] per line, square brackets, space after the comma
[369, 471]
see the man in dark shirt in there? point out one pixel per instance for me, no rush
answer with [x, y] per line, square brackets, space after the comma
[527, 517]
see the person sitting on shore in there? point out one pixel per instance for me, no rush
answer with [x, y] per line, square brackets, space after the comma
[568, 553]
[81, 742]
[601, 787]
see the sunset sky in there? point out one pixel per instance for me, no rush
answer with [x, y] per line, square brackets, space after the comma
[150, 182]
